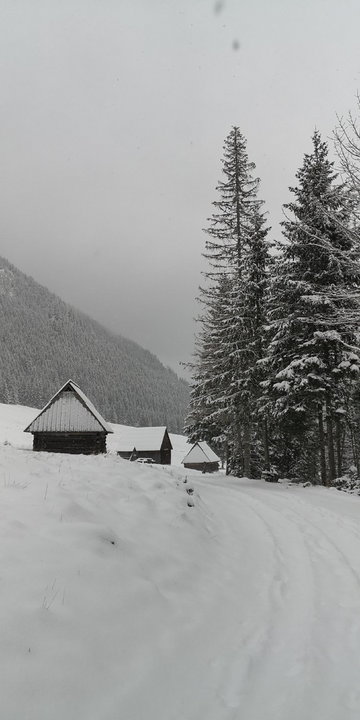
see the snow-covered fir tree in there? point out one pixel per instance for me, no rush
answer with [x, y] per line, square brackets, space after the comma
[229, 344]
[206, 419]
[313, 359]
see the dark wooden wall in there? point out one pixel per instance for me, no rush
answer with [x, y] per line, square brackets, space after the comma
[75, 443]
[155, 455]
[161, 457]
[165, 450]
[125, 455]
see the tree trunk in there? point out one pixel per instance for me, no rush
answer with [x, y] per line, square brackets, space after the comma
[247, 448]
[354, 448]
[223, 455]
[266, 444]
[237, 452]
[330, 441]
[324, 480]
[227, 471]
[338, 446]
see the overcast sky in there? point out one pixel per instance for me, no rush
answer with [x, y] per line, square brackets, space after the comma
[113, 116]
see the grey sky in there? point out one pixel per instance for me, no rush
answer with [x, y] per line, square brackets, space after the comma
[113, 115]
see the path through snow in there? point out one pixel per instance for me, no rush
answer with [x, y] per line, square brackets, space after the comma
[292, 560]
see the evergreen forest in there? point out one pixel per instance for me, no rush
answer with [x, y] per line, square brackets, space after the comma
[45, 342]
[275, 372]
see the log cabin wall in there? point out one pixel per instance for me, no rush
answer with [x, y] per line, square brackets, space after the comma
[74, 443]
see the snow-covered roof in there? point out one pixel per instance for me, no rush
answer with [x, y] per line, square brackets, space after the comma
[141, 438]
[200, 453]
[69, 410]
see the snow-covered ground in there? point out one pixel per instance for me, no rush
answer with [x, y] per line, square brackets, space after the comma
[121, 602]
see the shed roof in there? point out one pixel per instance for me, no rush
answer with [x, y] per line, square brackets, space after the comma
[69, 410]
[141, 438]
[200, 453]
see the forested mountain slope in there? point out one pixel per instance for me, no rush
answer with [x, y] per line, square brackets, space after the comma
[44, 342]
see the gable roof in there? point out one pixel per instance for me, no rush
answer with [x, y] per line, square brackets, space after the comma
[69, 410]
[200, 453]
[141, 438]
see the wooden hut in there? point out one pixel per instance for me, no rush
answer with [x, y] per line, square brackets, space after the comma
[147, 442]
[201, 457]
[69, 423]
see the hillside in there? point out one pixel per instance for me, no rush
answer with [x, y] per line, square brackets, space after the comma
[118, 600]
[44, 342]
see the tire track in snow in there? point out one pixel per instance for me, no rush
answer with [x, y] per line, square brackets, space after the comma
[284, 661]
[287, 646]
[249, 647]
[338, 608]
[260, 648]
[328, 679]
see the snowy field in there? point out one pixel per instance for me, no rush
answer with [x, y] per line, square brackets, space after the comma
[121, 602]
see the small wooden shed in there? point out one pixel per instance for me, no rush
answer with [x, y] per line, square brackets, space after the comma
[69, 423]
[147, 442]
[201, 457]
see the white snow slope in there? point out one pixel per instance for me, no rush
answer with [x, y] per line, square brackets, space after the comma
[120, 602]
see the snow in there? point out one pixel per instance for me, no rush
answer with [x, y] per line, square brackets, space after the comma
[201, 452]
[316, 299]
[328, 335]
[118, 600]
[181, 447]
[142, 438]
[283, 386]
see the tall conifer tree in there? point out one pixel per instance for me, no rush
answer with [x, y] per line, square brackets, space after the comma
[314, 356]
[233, 296]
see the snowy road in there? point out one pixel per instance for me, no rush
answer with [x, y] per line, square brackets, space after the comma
[276, 623]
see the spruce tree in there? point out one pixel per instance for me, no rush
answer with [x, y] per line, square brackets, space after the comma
[228, 346]
[313, 357]
[207, 416]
